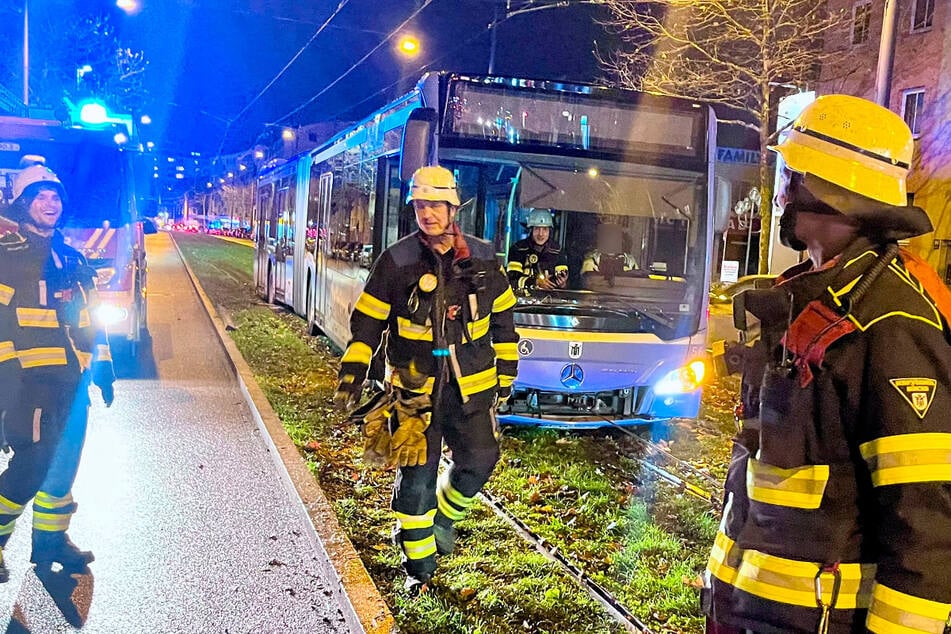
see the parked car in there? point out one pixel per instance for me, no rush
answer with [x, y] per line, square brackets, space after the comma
[720, 320]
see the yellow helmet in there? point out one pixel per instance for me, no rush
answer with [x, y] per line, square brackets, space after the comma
[435, 183]
[34, 174]
[852, 143]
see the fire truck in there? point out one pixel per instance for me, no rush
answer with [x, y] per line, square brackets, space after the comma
[98, 168]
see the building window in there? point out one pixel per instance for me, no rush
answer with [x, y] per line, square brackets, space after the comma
[912, 109]
[861, 19]
[923, 16]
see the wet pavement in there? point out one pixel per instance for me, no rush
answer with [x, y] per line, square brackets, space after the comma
[193, 526]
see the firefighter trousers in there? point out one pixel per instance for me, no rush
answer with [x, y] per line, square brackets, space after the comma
[46, 432]
[419, 499]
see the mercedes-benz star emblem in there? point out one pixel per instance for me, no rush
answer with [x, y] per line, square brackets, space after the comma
[572, 376]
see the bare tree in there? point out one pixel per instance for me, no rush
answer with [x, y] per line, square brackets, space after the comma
[730, 52]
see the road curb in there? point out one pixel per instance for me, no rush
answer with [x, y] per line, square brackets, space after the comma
[359, 598]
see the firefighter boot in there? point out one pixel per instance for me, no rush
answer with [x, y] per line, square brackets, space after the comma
[51, 547]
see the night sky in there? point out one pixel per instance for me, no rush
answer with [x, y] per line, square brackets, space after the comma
[210, 58]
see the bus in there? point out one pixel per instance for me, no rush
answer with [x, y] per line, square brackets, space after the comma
[100, 217]
[624, 174]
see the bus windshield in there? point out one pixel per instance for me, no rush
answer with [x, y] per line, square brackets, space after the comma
[633, 241]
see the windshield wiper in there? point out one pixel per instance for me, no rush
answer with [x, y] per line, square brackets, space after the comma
[655, 314]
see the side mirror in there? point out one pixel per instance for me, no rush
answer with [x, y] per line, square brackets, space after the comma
[722, 194]
[417, 147]
[148, 226]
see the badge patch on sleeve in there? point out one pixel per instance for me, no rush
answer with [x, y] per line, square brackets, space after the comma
[917, 392]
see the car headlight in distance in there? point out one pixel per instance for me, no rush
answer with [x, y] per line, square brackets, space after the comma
[109, 314]
[682, 380]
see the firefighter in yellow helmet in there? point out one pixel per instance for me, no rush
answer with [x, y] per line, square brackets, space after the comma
[50, 351]
[837, 515]
[446, 307]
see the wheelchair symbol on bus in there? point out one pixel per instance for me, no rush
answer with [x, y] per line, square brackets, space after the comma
[525, 347]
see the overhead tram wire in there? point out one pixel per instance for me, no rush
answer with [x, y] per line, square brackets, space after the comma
[420, 70]
[280, 73]
[389, 37]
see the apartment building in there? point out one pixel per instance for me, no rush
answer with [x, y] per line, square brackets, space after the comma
[920, 93]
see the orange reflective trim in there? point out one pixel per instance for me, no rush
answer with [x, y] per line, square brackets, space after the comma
[936, 288]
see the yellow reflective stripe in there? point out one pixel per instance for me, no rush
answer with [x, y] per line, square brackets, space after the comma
[452, 494]
[515, 267]
[788, 581]
[899, 613]
[724, 559]
[6, 529]
[37, 318]
[505, 380]
[448, 509]
[103, 352]
[504, 301]
[357, 352]
[408, 330]
[91, 242]
[372, 307]
[561, 267]
[84, 320]
[9, 507]
[7, 351]
[506, 351]
[800, 488]
[38, 357]
[47, 501]
[85, 359]
[475, 383]
[420, 548]
[409, 522]
[478, 328]
[908, 458]
[53, 522]
[105, 241]
[6, 294]
[427, 387]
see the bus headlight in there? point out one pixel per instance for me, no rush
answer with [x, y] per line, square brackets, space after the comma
[110, 314]
[682, 380]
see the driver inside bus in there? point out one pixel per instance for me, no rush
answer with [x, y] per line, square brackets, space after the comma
[537, 261]
[610, 256]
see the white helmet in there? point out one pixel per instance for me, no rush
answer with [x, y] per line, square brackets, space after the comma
[36, 174]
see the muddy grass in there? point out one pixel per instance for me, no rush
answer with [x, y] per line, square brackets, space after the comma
[642, 540]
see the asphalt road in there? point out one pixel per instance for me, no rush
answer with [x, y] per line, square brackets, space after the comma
[186, 511]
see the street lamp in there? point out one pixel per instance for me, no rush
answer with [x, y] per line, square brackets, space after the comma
[408, 46]
[129, 6]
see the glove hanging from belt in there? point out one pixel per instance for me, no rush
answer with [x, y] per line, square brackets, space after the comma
[408, 445]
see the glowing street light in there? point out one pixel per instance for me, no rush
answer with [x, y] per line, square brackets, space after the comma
[409, 46]
[145, 119]
[129, 6]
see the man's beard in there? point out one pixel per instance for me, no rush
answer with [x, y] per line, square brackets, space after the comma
[787, 229]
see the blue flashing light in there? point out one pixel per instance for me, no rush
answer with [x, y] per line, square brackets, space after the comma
[93, 113]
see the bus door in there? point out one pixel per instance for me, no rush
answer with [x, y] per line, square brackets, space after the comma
[398, 219]
[324, 244]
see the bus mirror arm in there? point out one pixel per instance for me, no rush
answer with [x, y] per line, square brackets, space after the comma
[418, 146]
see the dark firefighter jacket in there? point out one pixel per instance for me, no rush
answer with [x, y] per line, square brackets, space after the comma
[464, 293]
[838, 494]
[526, 262]
[47, 335]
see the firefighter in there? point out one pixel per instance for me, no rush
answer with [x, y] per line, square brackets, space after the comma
[837, 514]
[446, 307]
[538, 261]
[49, 352]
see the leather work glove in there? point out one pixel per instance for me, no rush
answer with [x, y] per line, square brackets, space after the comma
[348, 393]
[376, 432]
[408, 444]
